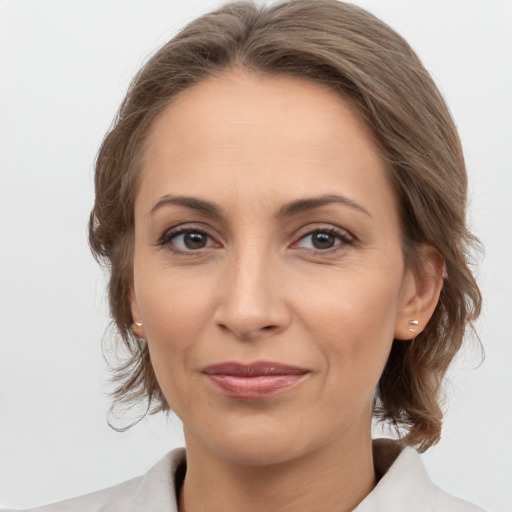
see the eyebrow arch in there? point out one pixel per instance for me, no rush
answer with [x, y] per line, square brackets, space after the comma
[288, 210]
[190, 202]
[302, 205]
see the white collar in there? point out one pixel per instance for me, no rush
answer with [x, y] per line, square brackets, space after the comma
[404, 487]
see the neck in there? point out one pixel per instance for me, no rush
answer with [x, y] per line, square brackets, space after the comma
[336, 477]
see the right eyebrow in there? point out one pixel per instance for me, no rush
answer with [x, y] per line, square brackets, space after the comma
[309, 203]
[190, 202]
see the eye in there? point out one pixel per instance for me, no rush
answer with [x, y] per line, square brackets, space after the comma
[324, 240]
[186, 240]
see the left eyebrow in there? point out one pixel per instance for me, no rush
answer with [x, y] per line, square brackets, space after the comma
[301, 205]
[190, 202]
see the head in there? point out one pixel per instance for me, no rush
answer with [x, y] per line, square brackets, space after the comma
[348, 54]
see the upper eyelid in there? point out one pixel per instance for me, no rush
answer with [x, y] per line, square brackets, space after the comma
[187, 226]
[206, 229]
[170, 233]
[176, 231]
[345, 237]
[326, 227]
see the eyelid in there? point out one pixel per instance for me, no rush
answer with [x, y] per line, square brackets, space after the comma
[169, 234]
[345, 238]
[343, 235]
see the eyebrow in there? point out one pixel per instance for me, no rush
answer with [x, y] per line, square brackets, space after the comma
[190, 202]
[288, 210]
[301, 205]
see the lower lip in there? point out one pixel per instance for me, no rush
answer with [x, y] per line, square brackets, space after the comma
[248, 388]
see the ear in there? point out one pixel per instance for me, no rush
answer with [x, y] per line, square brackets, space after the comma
[420, 293]
[138, 326]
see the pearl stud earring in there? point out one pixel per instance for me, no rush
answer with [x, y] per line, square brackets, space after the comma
[413, 322]
[138, 324]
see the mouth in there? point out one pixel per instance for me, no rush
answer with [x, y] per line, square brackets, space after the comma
[261, 379]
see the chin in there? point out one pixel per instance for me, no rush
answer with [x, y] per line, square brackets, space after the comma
[259, 451]
[262, 443]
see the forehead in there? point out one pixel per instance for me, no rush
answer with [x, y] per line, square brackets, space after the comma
[261, 134]
[242, 101]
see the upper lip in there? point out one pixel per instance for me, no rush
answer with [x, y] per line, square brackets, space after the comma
[254, 369]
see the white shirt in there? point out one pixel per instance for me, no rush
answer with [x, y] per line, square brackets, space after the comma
[403, 487]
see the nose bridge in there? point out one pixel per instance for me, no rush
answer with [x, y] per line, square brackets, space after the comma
[251, 300]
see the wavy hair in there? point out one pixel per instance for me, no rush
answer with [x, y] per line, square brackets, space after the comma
[366, 62]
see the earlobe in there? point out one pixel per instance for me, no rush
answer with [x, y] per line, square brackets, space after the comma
[422, 290]
[138, 326]
[414, 323]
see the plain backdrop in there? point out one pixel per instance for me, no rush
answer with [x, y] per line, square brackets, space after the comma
[64, 68]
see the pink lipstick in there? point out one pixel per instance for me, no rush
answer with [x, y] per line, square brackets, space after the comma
[260, 379]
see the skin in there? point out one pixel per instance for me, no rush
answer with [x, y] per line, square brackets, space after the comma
[261, 288]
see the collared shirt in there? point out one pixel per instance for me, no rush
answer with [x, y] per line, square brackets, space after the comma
[404, 486]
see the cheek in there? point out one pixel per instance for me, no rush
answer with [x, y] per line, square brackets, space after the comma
[175, 314]
[352, 322]
[358, 304]
[173, 306]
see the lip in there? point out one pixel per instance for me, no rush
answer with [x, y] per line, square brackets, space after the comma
[251, 381]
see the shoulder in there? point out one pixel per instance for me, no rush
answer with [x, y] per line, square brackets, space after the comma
[153, 491]
[119, 495]
[405, 484]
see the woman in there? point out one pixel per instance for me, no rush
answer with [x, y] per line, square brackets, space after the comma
[272, 204]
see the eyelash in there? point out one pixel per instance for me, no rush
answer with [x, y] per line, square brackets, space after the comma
[342, 237]
[168, 236]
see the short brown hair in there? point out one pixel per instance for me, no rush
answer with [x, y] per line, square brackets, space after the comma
[367, 62]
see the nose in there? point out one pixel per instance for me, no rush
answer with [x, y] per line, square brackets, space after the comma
[252, 303]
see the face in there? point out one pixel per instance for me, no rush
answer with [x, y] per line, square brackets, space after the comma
[268, 271]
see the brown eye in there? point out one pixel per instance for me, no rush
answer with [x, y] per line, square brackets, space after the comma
[194, 240]
[324, 239]
[187, 240]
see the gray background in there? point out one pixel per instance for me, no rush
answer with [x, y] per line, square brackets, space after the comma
[64, 67]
